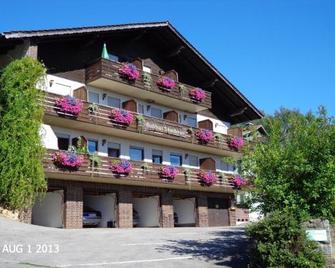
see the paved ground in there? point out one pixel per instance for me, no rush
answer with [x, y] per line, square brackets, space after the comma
[143, 247]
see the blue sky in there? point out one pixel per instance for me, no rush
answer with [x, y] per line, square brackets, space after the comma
[277, 52]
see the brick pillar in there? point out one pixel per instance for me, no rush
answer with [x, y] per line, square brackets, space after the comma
[167, 219]
[73, 209]
[202, 212]
[32, 51]
[125, 209]
[232, 212]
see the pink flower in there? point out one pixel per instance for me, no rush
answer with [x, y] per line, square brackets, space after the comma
[69, 105]
[204, 135]
[197, 94]
[168, 172]
[121, 167]
[236, 143]
[238, 182]
[129, 71]
[207, 177]
[67, 160]
[166, 82]
[122, 116]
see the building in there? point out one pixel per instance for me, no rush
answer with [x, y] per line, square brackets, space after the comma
[161, 130]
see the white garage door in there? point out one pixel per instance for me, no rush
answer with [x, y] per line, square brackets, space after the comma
[106, 204]
[49, 211]
[148, 211]
[185, 209]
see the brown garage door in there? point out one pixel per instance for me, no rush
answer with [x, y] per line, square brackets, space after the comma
[218, 212]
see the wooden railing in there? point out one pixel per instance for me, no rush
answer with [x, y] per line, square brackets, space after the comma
[109, 69]
[150, 126]
[141, 172]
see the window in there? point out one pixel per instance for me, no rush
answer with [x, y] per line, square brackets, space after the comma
[114, 102]
[157, 157]
[191, 121]
[227, 167]
[93, 97]
[113, 57]
[176, 160]
[146, 69]
[140, 108]
[92, 146]
[113, 149]
[136, 154]
[63, 141]
[155, 112]
[193, 160]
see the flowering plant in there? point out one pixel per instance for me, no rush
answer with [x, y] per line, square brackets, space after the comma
[129, 71]
[122, 116]
[236, 143]
[204, 135]
[121, 167]
[207, 177]
[197, 94]
[68, 160]
[69, 105]
[166, 82]
[168, 172]
[239, 181]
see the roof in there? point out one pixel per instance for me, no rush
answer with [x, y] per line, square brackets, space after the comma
[12, 35]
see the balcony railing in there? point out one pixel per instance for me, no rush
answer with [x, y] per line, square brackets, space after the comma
[150, 127]
[141, 174]
[106, 69]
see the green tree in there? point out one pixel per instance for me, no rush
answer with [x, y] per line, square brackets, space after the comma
[21, 151]
[295, 167]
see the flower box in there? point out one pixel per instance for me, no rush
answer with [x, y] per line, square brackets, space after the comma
[122, 167]
[239, 182]
[129, 72]
[68, 105]
[236, 143]
[121, 117]
[67, 160]
[204, 135]
[207, 177]
[197, 94]
[166, 83]
[168, 172]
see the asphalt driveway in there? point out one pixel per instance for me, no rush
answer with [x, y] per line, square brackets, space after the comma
[23, 245]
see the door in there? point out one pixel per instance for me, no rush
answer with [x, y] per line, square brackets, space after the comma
[218, 212]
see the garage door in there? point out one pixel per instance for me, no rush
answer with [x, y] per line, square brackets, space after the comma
[105, 203]
[148, 211]
[218, 212]
[49, 211]
[185, 211]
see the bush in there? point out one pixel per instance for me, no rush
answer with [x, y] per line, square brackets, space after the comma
[280, 241]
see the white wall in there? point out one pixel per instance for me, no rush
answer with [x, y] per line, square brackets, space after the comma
[148, 211]
[49, 211]
[106, 204]
[185, 209]
[58, 85]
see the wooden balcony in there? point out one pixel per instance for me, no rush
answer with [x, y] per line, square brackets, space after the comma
[104, 74]
[141, 175]
[152, 130]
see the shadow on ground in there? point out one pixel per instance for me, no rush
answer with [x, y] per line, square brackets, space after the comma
[226, 248]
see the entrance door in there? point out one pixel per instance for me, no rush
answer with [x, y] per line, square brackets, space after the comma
[218, 212]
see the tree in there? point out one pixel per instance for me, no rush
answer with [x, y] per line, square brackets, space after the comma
[295, 167]
[21, 151]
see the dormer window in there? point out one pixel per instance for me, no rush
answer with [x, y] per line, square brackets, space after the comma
[113, 57]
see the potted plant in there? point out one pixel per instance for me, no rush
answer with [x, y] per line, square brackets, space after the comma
[166, 83]
[187, 173]
[93, 108]
[236, 143]
[207, 177]
[122, 117]
[140, 122]
[121, 167]
[147, 80]
[168, 172]
[239, 182]
[68, 105]
[197, 94]
[67, 160]
[129, 72]
[204, 135]
[95, 161]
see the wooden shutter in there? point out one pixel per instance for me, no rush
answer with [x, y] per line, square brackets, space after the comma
[207, 124]
[130, 105]
[235, 132]
[80, 93]
[171, 116]
[172, 74]
[207, 163]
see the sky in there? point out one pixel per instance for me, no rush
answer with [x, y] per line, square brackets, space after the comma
[278, 53]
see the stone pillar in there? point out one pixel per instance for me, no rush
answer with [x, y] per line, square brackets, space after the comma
[232, 212]
[25, 215]
[125, 209]
[167, 219]
[73, 209]
[32, 51]
[202, 212]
